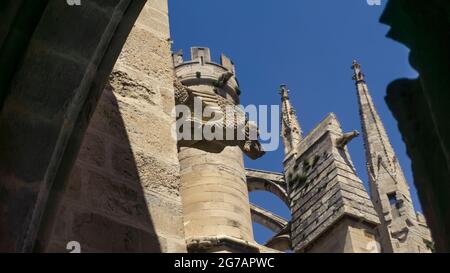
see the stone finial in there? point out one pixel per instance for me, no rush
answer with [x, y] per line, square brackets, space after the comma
[358, 76]
[177, 57]
[284, 91]
[290, 127]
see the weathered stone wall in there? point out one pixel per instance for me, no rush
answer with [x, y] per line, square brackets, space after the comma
[348, 236]
[123, 194]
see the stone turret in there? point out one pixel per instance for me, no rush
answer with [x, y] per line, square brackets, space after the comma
[214, 191]
[401, 229]
[201, 70]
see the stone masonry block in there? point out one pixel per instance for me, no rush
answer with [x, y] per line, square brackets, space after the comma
[100, 232]
[113, 197]
[133, 88]
[93, 150]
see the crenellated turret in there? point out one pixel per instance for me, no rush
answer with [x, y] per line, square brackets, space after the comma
[214, 191]
[201, 71]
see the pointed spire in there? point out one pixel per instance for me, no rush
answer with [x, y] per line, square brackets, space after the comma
[376, 139]
[386, 179]
[290, 127]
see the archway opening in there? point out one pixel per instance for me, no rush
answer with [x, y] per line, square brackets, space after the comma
[272, 203]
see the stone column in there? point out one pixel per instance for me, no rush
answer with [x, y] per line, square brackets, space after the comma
[215, 196]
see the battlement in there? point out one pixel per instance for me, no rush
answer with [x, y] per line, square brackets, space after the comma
[200, 70]
[202, 56]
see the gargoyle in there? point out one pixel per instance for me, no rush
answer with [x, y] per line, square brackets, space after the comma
[346, 138]
[251, 147]
[224, 78]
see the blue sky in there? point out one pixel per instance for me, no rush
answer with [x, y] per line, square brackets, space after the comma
[308, 45]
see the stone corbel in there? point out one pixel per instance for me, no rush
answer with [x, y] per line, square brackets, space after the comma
[251, 147]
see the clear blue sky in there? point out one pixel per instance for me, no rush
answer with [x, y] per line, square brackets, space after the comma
[309, 45]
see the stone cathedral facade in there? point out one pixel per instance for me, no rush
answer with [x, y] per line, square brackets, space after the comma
[134, 188]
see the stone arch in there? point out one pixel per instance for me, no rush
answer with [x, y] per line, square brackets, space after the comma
[273, 183]
[267, 181]
[268, 219]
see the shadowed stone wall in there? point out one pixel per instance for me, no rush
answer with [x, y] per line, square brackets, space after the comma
[58, 60]
[123, 193]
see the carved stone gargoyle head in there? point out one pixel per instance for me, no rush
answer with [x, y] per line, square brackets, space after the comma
[346, 138]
